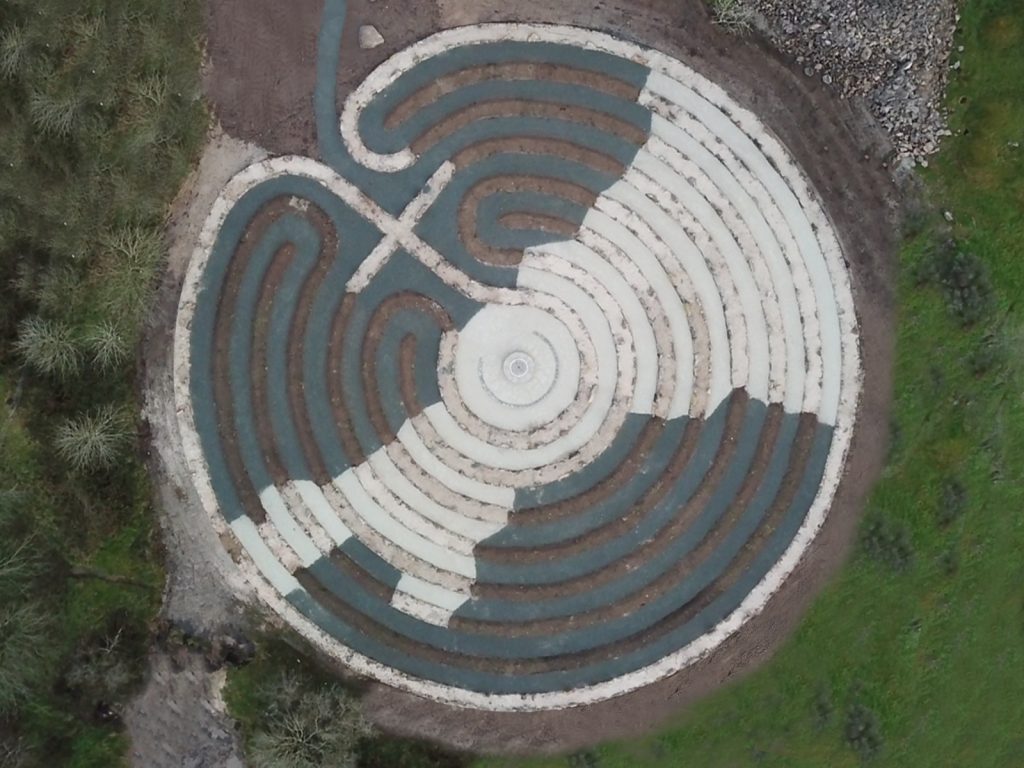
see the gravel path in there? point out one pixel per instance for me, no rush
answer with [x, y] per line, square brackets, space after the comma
[895, 54]
[179, 719]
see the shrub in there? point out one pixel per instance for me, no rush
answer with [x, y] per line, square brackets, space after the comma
[822, 707]
[887, 542]
[962, 277]
[14, 752]
[54, 114]
[949, 561]
[18, 566]
[895, 441]
[25, 634]
[965, 281]
[131, 259]
[57, 291]
[109, 346]
[108, 667]
[586, 759]
[988, 354]
[733, 15]
[952, 501]
[14, 51]
[49, 346]
[308, 727]
[863, 732]
[93, 441]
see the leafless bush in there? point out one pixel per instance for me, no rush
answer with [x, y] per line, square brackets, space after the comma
[307, 727]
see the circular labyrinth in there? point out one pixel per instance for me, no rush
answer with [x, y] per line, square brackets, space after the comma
[537, 387]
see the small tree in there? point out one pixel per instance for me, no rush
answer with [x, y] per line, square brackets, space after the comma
[308, 727]
[18, 566]
[93, 441]
[105, 669]
[49, 346]
[25, 636]
[14, 752]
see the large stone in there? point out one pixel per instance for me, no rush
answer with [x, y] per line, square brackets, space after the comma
[370, 37]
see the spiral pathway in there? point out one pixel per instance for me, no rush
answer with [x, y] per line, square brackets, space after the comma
[536, 387]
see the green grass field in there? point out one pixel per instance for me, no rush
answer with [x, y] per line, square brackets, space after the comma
[915, 654]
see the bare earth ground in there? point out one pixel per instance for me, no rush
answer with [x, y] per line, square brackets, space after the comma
[179, 720]
[260, 82]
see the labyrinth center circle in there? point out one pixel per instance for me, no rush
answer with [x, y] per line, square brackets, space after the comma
[516, 367]
[536, 386]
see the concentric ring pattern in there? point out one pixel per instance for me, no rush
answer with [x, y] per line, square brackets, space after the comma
[538, 387]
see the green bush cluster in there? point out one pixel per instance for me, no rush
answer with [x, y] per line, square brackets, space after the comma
[863, 731]
[101, 117]
[295, 714]
[307, 726]
[963, 278]
[887, 541]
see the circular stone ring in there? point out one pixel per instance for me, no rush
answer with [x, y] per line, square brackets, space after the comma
[536, 386]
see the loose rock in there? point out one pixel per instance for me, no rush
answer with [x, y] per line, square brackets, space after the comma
[892, 54]
[370, 37]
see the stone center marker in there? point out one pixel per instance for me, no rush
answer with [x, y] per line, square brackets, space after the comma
[536, 385]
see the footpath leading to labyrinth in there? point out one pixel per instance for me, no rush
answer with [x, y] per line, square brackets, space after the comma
[547, 385]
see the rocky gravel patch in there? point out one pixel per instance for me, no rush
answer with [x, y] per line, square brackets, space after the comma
[895, 54]
[179, 719]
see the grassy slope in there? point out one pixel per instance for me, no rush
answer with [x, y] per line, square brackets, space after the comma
[935, 649]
